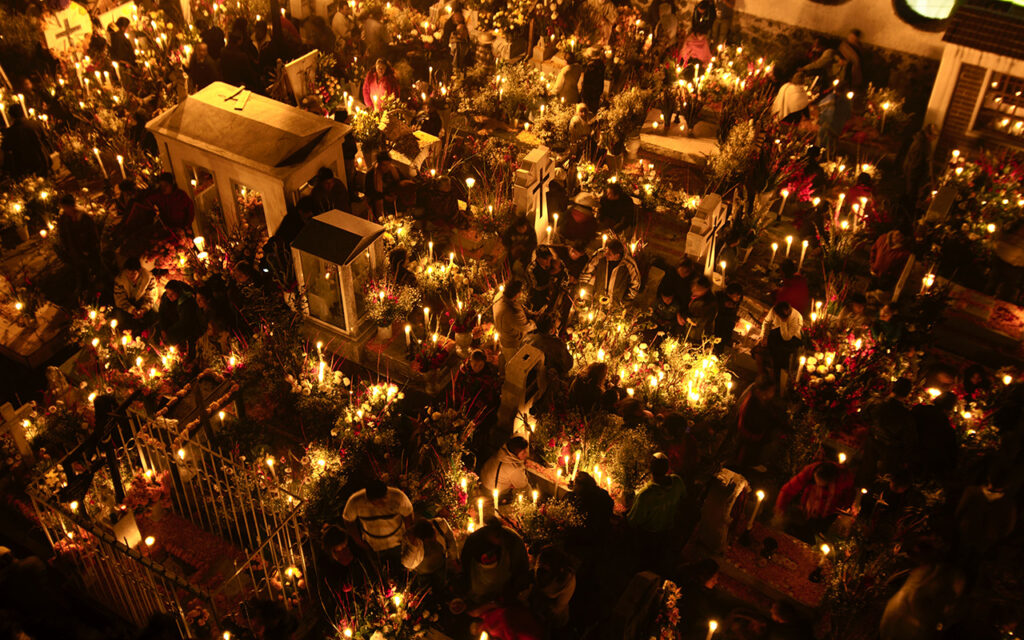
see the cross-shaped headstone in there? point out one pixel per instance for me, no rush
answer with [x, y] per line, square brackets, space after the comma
[531, 188]
[704, 227]
[67, 28]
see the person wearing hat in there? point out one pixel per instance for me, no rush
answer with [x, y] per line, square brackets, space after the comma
[591, 84]
[579, 225]
[121, 49]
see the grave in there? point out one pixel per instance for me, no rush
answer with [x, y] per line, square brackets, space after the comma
[676, 145]
[68, 29]
[225, 143]
[530, 190]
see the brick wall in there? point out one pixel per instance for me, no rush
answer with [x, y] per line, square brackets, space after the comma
[961, 108]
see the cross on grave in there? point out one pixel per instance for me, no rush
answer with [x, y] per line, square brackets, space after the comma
[68, 30]
[530, 192]
[701, 239]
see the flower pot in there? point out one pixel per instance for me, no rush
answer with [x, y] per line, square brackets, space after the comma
[384, 333]
[22, 232]
[463, 341]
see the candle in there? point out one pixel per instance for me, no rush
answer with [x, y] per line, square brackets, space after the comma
[496, 497]
[775, 248]
[451, 258]
[757, 507]
[96, 152]
[604, 239]
[480, 510]
[839, 204]
[842, 458]
[3, 112]
[576, 465]
[120, 164]
[785, 196]
[712, 628]
[426, 318]
[803, 252]
[430, 75]
[408, 335]
[535, 495]
[430, 247]
[800, 369]
[789, 244]
[857, 501]
[825, 550]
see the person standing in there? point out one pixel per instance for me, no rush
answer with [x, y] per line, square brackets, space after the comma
[24, 146]
[781, 334]
[121, 48]
[656, 510]
[505, 471]
[510, 320]
[568, 80]
[377, 518]
[612, 273]
[591, 83]
[380, 82]
[174, 208]
[78, 242]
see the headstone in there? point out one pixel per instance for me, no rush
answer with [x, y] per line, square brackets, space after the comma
[940, 205]
[530, 190]
[126, 10]
[67, 29]
[501, 48]
[706, 222]
[524, 383]
[411, 166]
[301, 74]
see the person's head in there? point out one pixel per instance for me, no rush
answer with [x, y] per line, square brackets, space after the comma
[132, 267]
[596, 373]
[826, 474]
[376, 491]
[577, 249]
[336, 545]
[931, 131]
[259, 30]
[165, 182]
[513, 288]
[783, 310]
[857, 302]
[398, 257]
[734, 291]
[544, 257]
[383, 159]
[946, 402]
[584, 481]
[613, 191]
[658, 466]
[127, 188]
[324, 176]
[519, 447]
[783, 612]
[175, 289]
[581, 110]
[122, 24]
[788, 268]
[700, 286]
[235, 39]
[614, 250]
[381, 66]
[67, 203]
[896, 238]
[477, 360]
[16, 112]
[422, 529]
[886, 313]
[667, 296]
[684, 267]
[797, 77]
[522, 223]
[240, 26]
[902, 387]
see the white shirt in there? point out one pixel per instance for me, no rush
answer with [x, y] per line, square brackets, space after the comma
[383, 524]
[791, 98]
[789, 328]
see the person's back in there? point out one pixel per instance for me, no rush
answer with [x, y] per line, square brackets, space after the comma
[23, 147]
[656, 506]
[237, 68]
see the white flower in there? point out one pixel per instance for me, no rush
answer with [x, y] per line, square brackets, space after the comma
[377, 635]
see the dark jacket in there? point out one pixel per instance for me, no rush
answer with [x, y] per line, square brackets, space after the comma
[238, 69]
[556, 355]
[24, 149]
[121, 48]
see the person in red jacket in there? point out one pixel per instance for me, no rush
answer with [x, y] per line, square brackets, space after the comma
[174, 207]
[812, 499]
[380, 82]
[888, 255]
[794, 289]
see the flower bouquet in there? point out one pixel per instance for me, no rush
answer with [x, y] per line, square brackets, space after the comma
[387, 303]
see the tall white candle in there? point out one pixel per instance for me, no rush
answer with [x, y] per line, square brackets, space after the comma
[803, 252]
[789, 244]
[96, 152]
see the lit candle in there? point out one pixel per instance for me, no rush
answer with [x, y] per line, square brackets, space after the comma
[426, 318]
[430, 247]
[3, 112]
[857, 501]
[535, 495]
[803, 252]
[800, 369]
[785, 196]
[712, 628]
[451, 258]
[496, 495]
[408, 335]
[757, 507]
[825, 550]
[576, 465]
[96, 152]
[775, 248]
[120, 164]
[480, 510]
[789, 244]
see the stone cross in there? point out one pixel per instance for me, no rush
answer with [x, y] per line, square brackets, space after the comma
[704, 227]
[530, 190]
[67, 28]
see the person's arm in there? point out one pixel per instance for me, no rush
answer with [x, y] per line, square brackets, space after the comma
[634, 279]
[121, 297]
[351, 519]
[367, 94]
[587, 277]
[824, 60]
[766, 325]
[405, 510]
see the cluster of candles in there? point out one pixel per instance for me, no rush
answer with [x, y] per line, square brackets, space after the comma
[789, 245]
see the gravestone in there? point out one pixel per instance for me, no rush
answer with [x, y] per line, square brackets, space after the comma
[940, 205]
[67, 29]
[524, 383]
[706, 222]
[301, 74]
[530, 190]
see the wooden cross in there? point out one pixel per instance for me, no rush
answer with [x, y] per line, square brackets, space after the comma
[68, 30]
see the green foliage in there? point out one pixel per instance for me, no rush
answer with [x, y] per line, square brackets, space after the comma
[624, 115]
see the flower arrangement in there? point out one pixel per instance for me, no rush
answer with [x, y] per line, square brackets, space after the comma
[385, 612]
[511, 93]
[552, 125]
[546, 523]
[387, 303]
[401, 231]
[623, 116]
[667, 622]
[884, 109]
[24, 198]
[671, 374]
[431, 354]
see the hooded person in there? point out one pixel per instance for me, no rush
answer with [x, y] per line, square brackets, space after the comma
[495, 563]
[506, 469]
